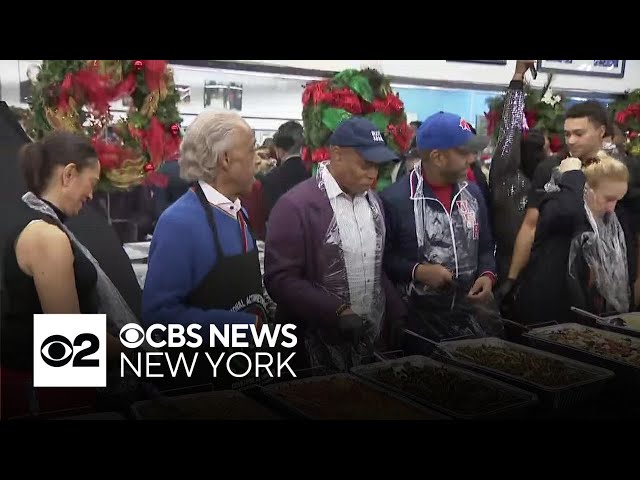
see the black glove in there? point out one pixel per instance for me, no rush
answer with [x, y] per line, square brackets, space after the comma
[505, 297]
[503, 291]
[351, 327]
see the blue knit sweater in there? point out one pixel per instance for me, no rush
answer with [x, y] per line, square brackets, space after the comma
[182, 252]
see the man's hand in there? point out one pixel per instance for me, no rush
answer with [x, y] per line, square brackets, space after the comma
[435, 276]
[522, 66]
[481, 290]
[570, 163]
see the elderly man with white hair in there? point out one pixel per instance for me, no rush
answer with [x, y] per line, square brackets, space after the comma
[203, 262]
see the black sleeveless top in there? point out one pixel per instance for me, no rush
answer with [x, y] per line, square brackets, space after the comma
[20, 299]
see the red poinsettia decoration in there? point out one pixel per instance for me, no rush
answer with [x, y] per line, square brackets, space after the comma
[402, 135]
[628, 113]
[493, 117]
[320, 155]
[390, 105]
[555, 143]
[316, 93]
[346, 99]
[531, 115]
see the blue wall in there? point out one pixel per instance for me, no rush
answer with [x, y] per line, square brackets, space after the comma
[425, 102]
[466, 103]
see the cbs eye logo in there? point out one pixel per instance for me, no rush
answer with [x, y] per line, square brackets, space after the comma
[57, 350]
[132, 335]
[69, 350]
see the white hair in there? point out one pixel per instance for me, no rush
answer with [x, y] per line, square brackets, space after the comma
[209, 136]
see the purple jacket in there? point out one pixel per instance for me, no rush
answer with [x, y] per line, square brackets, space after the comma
[294, 260]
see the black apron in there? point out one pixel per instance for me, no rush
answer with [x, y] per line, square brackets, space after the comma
[449, 314]
[234, 283]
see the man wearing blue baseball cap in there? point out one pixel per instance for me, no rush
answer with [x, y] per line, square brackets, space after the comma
[324, 249]
[439, 243]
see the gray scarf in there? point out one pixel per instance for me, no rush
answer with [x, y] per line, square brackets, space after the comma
[110, 301]
[552, 184]
[605, 252]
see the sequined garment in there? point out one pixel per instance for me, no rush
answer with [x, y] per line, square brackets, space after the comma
[509, 185]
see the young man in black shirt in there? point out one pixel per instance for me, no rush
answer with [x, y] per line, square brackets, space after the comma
[586, 125]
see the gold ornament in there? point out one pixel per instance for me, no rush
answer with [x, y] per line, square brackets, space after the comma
[164, 91]
[129, 174]
[61, 120]
[150, 104]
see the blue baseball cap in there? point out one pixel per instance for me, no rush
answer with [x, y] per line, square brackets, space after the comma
[365, 138]
[442, 131]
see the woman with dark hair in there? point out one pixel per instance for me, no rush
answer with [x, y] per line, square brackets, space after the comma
[533, 150]
[46, 270]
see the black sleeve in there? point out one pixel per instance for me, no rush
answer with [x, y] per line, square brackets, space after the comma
[631, 200]
[560, 212]
[627, 221]
[578, 281]
[540, 178]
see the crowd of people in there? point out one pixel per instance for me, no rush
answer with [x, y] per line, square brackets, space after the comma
[442, 251]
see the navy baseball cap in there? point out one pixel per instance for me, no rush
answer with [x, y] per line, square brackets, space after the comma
[364, 137]
[442, 131]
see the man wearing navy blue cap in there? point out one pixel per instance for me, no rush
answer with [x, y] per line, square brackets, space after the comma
[324, 249]
[439, 245]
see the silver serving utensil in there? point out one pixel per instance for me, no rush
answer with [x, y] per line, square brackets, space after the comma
[616, 321]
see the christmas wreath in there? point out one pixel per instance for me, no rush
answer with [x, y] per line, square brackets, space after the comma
[543, 110]
[365, 93]
[75, 95]
[627, 116]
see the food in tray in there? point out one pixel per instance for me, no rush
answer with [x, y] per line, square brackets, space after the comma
[343, 398]
[446, 388]
[622, 349]
[538, 369]
[215, 406]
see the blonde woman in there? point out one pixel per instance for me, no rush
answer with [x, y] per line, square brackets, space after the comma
[584, 252]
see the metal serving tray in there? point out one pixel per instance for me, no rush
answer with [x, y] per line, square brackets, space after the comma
[522, 403]
[553, 397]
[275, 396]
[606, 322]
[626, 373]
